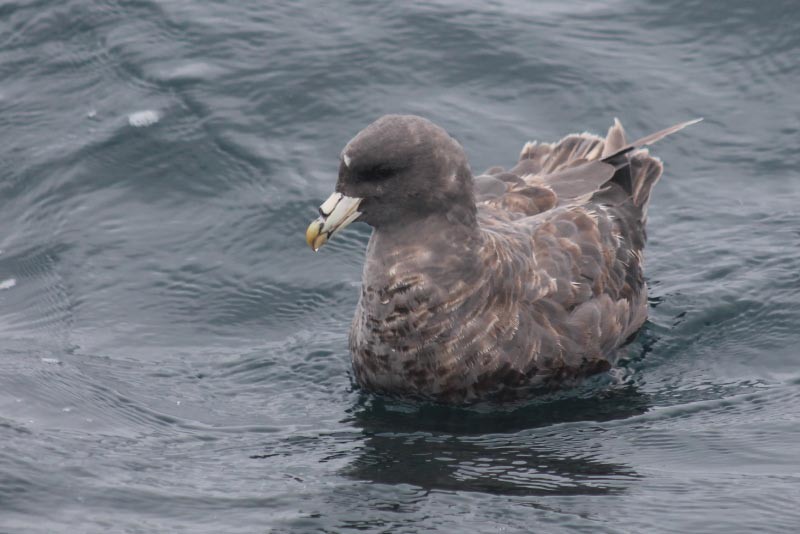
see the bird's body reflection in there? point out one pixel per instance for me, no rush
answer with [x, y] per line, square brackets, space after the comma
[506, 451]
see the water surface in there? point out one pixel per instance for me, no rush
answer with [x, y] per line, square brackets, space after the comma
[174, 359]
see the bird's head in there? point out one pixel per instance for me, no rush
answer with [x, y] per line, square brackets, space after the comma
[398, 169]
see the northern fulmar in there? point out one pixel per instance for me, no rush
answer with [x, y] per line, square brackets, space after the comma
[496, 286]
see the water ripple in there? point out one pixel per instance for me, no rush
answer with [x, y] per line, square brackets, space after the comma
[174, 358]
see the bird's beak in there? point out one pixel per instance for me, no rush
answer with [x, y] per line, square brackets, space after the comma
[335, 213]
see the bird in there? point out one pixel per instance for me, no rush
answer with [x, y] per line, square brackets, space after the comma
[493, 287]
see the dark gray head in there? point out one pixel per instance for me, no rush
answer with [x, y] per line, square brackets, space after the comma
[397, 169]
[404, 166]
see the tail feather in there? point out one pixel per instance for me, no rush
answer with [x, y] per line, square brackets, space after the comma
[637, 171]
[609, 170]
[615, 139]
[645, 171]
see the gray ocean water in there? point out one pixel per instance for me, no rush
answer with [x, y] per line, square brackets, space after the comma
[173, 358]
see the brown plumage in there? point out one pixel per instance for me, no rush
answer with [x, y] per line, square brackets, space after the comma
[496, 286]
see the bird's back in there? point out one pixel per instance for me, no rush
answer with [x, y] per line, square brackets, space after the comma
[583, 207]
[543, 295]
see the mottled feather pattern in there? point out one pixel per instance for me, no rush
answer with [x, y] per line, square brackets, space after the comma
[537, 295]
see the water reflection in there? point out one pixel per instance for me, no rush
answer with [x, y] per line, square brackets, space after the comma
[503, 451]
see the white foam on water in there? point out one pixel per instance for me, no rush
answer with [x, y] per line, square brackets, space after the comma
[192, 72]
[142, 119]
[8, 284]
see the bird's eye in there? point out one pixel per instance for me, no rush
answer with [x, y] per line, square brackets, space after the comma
[377, 173]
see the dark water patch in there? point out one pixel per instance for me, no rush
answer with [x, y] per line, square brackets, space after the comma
[592, 401]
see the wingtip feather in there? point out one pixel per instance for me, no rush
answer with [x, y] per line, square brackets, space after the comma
[652, 138]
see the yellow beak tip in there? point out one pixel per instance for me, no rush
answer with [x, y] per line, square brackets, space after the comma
[314, 238]
[336, 213]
